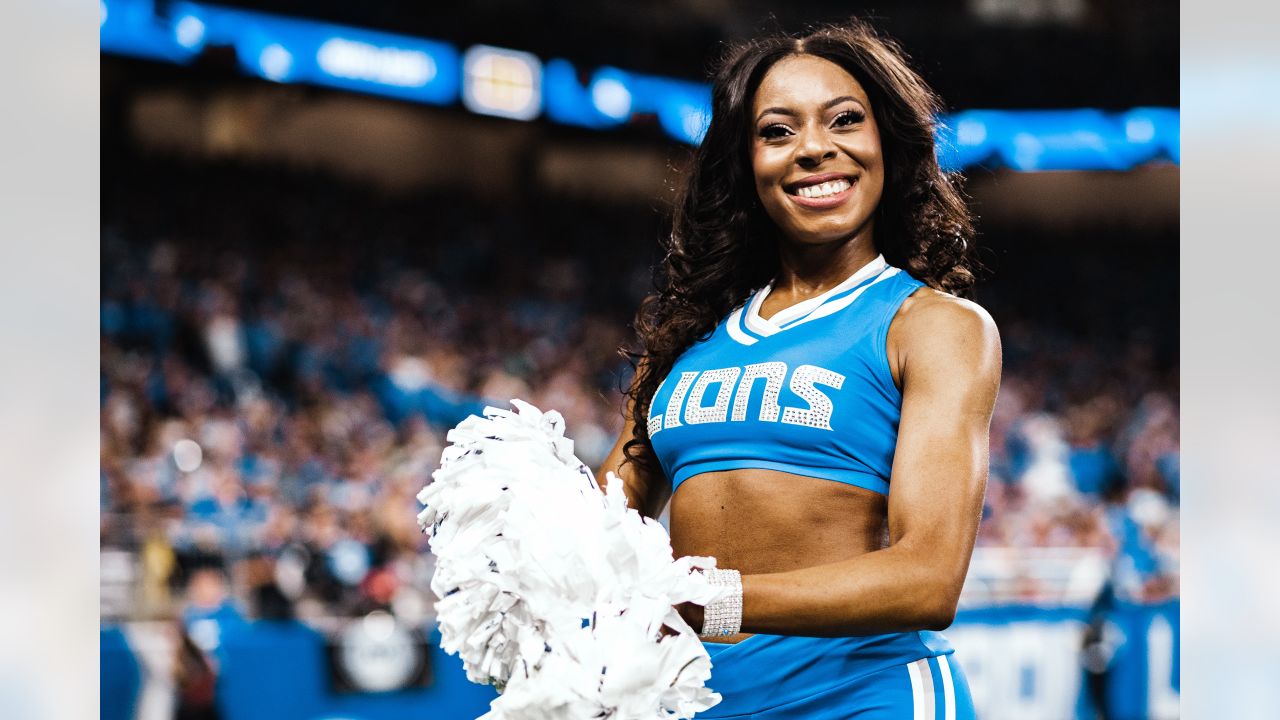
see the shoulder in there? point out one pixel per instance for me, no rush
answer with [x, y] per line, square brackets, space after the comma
[928, 312]
[934, 328]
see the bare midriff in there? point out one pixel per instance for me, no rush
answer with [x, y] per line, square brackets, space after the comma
[766, 521]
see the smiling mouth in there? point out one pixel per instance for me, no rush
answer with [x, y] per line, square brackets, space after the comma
[822, 190]
[824, 195]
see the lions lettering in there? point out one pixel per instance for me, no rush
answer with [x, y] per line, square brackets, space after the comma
[736, 384]
[773, 373]
[803, 383]
[695, 413]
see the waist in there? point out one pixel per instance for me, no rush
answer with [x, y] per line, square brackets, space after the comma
[764, 671]
[763, 521]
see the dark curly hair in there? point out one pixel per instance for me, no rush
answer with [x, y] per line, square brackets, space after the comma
[723, 246]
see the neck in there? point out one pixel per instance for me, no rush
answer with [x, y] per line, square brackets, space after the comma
[810, 269]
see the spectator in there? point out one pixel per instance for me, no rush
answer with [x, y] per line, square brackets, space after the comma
[276, 384]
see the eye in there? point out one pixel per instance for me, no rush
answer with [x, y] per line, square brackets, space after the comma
[849, 117]
[770, 132]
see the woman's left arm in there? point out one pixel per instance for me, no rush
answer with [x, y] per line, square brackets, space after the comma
[949, 352]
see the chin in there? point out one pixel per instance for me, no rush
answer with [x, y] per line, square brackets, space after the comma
[823, 234]
[811, 228]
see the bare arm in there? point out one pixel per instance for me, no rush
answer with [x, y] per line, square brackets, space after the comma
[950, 352]
[646, 491]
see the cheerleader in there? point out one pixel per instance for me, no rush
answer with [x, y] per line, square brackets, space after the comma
[813, 394]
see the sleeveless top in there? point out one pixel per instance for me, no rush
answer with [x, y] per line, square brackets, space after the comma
[807, 392]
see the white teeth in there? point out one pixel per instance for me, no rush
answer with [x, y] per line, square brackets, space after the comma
[825, 189]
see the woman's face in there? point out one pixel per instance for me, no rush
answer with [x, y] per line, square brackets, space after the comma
[815, 151]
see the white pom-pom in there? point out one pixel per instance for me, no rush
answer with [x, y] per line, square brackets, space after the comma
[552, 591]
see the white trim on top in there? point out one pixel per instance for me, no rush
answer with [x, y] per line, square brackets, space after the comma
[735, 332]
[760, 325]
[751, 315]
[844, 302]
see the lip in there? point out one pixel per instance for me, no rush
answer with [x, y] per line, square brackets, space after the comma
[823, 203]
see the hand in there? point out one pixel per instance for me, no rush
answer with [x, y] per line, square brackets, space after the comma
[692, 614]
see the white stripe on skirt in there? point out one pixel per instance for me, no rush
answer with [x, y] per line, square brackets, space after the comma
[948, 689]
[921, 689]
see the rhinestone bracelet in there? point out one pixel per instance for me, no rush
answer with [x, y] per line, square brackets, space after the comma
[723, 617]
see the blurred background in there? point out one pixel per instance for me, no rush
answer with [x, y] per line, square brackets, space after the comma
[332, 230]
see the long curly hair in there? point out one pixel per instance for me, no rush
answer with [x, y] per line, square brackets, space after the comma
[723, 246]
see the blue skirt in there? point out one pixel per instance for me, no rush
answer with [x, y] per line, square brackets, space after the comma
[900, 676]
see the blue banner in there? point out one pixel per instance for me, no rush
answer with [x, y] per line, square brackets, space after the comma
[515, 84]
[273, 670]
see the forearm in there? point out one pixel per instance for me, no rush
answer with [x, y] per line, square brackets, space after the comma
[649, 501]
[645, 493]
[892, 590]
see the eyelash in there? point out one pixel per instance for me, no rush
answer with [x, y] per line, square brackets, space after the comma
[856, 117]
[853, 115]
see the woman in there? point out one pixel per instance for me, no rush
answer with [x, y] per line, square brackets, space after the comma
[812, 396]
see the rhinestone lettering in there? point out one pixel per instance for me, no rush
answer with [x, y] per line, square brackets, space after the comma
[804, 382]
[672, 418]
[695, 413]
[773, 373]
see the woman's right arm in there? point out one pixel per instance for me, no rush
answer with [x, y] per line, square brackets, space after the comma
[647, 490]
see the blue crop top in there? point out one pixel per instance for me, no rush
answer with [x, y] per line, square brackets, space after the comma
[807, 392]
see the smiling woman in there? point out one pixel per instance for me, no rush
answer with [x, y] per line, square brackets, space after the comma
[812, 395]
[816, 151]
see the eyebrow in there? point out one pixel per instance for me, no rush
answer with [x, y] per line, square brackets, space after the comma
[825, 106]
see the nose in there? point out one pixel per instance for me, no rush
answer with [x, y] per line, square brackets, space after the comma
[814, 147]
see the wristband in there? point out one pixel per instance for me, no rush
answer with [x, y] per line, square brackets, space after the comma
[723, 617]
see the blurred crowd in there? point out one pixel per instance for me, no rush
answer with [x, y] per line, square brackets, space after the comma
[283, 352]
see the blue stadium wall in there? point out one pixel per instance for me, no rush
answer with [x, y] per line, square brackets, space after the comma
[1022, 662]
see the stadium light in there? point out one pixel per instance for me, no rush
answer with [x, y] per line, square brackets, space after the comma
[131, 27]
[189, 31]
[501, 82]
[275, 62]
[610, 94]
[971, 132]
[356, 60]
[568, 101]
[1139, 130]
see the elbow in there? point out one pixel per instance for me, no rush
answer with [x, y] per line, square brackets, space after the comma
[939, 610]
[939, 618]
